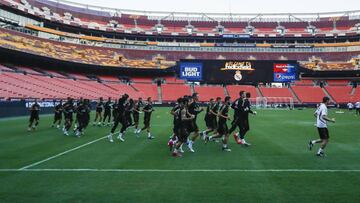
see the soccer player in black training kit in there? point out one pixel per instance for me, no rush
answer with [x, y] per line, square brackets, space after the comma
[182, 121]
[207, 119]
[237, 106]
[193, 109]
[129, 108]
[34, 116]
[148, 109]
[242, 109]
[83, 115]
[99, 109]
[246, 125]
[68, 109]
[136, 114]
[222, 129]
[120, 118]
[211, 124]
[76, 122]
[115, 111]
[57, 115]
[174, 137]
[107, 111]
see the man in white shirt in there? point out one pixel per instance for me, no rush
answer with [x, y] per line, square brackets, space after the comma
[357, 107]
[350, 106]
[322, 118]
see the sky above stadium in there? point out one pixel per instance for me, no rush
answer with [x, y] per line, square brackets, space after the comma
[230, 6]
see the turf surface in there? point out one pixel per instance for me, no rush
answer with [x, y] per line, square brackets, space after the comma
[278, 167]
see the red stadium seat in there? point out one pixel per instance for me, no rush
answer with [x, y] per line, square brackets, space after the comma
[208, 92]
[171, 92]
[309, 94]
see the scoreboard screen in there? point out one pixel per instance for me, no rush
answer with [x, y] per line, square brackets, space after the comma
[238, 71]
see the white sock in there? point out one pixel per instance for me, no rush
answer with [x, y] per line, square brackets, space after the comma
[149, 134]
[225, 145]
[313, 141]
[320, 150]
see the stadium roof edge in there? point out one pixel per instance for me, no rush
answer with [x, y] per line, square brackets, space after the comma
[225, 15]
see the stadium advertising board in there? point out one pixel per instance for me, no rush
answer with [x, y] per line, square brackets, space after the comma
[284, 72]
[191, 71]
[238, 71]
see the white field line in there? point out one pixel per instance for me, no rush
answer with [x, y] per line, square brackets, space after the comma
[186, 170]
[62, 153]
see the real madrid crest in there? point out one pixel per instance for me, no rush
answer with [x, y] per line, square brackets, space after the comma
[238, 75]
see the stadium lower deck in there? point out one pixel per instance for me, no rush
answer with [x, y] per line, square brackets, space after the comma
[25, 83]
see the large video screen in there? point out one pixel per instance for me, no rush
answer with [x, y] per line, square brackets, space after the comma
[238, 71]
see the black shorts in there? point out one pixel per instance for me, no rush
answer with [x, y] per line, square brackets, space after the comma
[34, 117]
[323, 133]
[182, 134]
[147, 122]
[98, 110]
[68, 116]
[245, 124]
[222, 128]
[211, 123]
[193, 126]
[58, 116]
[207, 122]
[136, 117]
[114, 114]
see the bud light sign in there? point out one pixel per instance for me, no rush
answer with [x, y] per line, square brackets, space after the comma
[284, 72]
[191, 71]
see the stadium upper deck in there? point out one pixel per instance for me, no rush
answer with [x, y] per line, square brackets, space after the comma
[124, 38]
[331, 24]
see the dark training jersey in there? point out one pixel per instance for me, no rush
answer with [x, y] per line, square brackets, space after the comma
[115, 109]
[121, 107]
[215, 108]
[224, 110]
[148, 107]
[129, 109]
[68, 107]
[194, 109]
[34, 109]
[137, 107]
[108, 106]
[82, 110]
[58, 109]
[240, 107]
[247, 109]
[175, 110]
[99, 106]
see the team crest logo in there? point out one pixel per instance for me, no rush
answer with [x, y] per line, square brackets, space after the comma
[238, 75]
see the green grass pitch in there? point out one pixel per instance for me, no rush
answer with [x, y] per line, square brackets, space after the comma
[278, 167]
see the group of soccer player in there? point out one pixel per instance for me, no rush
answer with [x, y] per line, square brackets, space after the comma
[126, 111]
[216, 116]
[80, 108]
